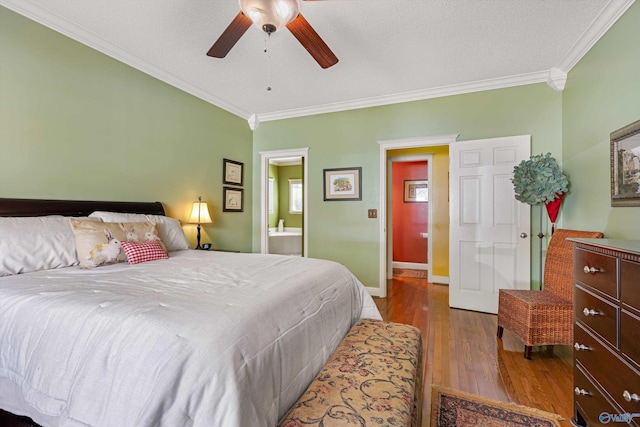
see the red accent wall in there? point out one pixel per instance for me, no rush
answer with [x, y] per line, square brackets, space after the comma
[409, 219]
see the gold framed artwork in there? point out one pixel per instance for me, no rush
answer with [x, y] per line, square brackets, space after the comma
[625, 165]
[233, 199]
[232, 172]
[342, 184]
[416, 191]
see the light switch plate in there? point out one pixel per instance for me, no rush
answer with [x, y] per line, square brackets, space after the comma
[372, 213]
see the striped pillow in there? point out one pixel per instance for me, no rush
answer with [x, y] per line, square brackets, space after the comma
[138, 252]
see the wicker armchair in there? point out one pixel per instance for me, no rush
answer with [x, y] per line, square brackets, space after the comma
[544, 317]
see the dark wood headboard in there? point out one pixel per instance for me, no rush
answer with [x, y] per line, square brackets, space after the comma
[39, 207]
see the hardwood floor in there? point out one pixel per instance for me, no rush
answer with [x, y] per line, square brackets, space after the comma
[461, 351]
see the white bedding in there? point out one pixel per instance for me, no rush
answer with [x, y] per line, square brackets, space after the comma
[201, 339]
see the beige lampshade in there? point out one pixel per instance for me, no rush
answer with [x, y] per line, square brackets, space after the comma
[200, 213]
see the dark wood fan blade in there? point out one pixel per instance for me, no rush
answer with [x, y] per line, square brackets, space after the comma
[230, 36]
[311, 41]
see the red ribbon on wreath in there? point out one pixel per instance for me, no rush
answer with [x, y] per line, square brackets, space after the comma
[553, 208]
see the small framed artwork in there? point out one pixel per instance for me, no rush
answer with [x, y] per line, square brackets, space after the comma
[342, 184]
[625, 166]
[233, 199]
[232, 171]
[416, 191]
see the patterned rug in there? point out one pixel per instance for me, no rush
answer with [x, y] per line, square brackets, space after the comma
[452, 408]
[405, 272]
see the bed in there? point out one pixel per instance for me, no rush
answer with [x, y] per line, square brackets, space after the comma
[199, 339]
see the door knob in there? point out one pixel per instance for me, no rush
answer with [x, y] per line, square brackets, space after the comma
[523, 235]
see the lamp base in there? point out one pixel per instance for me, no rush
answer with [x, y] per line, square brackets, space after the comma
[198, 238]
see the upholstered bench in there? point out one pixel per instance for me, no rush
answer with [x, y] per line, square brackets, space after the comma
[374, 378]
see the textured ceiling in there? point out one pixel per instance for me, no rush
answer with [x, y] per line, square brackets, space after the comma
[389, 50]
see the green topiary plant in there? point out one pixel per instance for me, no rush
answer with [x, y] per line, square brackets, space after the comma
[539, 180]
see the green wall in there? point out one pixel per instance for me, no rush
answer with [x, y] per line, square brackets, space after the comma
[281, 176]
[341, 231]
[286, 173]
[602, 94]
[76, 124]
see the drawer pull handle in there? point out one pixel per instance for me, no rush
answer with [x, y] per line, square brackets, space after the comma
[579, 347]
[591, 270]
[581, 392]
[630, 397]
[591, 312]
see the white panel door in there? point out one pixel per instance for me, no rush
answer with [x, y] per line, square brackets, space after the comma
[489, 246]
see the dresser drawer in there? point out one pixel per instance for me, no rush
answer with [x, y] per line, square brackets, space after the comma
[598, 314]
[613, 374]
[630, 284]
[589, 405]
[604, 279]
[630, 337]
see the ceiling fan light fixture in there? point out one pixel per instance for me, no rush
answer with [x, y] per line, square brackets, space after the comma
[269, 14]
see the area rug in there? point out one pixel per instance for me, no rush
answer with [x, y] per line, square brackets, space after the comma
[452, 408]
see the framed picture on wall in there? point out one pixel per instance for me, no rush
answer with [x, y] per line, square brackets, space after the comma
[233, 199]
[416, 191]
[232, 172]
[625, 166]
[342, 184]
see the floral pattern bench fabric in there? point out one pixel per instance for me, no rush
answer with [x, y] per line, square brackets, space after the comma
[374, 378]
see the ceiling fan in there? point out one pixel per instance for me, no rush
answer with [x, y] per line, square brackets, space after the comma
[271, 16]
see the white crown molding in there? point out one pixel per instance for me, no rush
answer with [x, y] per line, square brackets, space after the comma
[557, 79]
[603, 22]
[291, 163]
[439, 92]
[254, 122]
[86, 37]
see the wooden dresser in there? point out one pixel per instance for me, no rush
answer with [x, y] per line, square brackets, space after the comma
[606, 332]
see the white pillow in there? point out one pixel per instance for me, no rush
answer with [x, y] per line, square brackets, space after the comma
[170, 231]
[36, 243]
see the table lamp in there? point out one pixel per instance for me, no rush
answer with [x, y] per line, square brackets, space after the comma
[200, 215]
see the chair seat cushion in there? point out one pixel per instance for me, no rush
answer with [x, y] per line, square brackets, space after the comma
[535, 298]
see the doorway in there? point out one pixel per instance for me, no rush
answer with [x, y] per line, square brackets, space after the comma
[410, 214]
[283, 207]
[387, 149]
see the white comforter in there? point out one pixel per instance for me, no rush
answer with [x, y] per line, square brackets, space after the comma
[201, 339]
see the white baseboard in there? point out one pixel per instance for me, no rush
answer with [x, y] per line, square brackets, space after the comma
[374, 292]
[410, 265]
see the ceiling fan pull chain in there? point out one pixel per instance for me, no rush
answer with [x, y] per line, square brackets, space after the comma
[267, 37]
